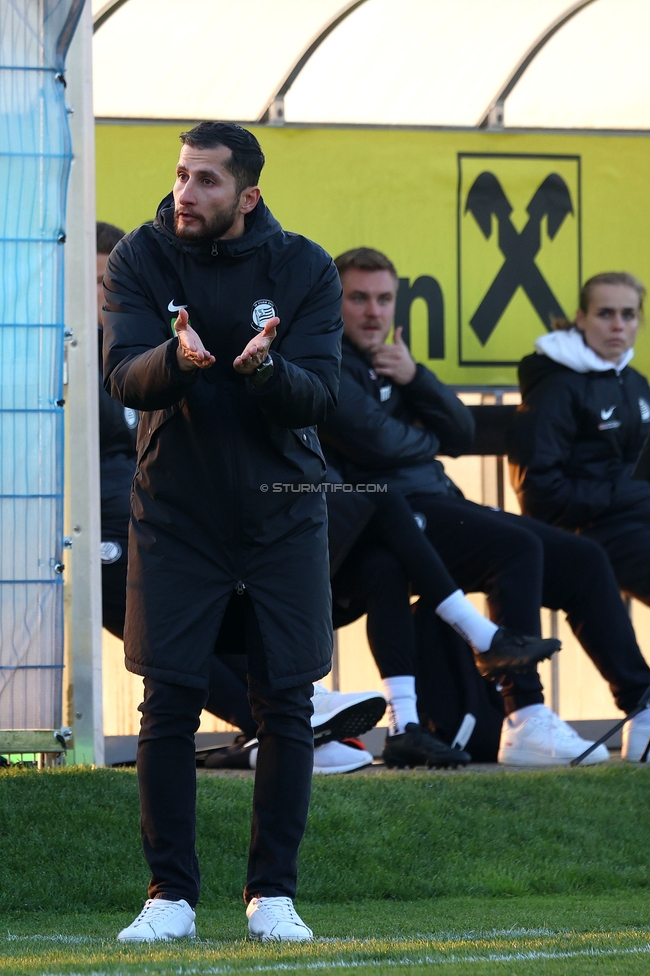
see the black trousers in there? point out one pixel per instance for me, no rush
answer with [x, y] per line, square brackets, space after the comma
[228, 692]
[627, 544]
[522, 564]
[391, 559]
[372, 581]
[167, 779]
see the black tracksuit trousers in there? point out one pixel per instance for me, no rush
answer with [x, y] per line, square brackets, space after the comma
[391, 559]
[627, 543]
[167, 779]
[522, 564]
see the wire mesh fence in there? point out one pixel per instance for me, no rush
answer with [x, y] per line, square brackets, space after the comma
[35, 156]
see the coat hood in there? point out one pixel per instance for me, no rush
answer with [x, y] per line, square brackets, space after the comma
[260, 226]
[569, 349]
[558, 351]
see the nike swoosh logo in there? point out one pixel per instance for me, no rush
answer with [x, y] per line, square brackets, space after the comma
[174, 308]
[606, 414]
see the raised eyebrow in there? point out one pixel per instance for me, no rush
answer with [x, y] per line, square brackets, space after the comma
[200, 173]
[611, 308]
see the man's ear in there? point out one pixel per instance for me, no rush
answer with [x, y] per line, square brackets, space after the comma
[249, 199]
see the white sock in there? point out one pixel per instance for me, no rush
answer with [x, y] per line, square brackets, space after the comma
[521, 714]
[459, 613]
[399, 692]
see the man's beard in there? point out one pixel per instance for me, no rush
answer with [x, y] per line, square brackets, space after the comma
[211, 229]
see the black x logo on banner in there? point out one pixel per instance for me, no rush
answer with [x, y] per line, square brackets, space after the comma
[485, 199]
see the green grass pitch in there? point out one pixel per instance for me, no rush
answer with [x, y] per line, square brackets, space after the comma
[514, 937]
[527, 873]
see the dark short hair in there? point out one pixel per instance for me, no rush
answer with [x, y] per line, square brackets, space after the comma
[364, 259]
[108, 235]
[247, 158]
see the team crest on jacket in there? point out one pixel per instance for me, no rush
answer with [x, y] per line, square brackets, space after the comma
[111, 552]
[644, 408]
[263, 310]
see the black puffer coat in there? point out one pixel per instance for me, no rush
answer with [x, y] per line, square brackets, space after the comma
[210, 443]
[575, 441]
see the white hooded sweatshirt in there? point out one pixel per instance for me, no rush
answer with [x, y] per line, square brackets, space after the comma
[568, 348]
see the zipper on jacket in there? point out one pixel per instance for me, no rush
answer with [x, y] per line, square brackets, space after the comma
[239, 589]
[215, 250]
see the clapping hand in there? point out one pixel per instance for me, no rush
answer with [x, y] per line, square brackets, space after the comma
[257, 350]
[191, 353]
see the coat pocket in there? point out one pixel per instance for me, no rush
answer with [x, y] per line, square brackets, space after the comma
[308, 438]
[149, 424]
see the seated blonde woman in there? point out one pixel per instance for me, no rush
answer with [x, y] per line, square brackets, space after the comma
[584, 416]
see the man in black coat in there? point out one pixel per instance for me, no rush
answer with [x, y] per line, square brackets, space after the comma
[392, 418]
[223, 330]
[335, 715]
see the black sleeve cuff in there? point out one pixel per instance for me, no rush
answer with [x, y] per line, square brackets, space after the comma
[260, 389]
[185, 377]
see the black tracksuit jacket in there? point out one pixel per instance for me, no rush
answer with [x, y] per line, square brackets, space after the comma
[371, 436]
[574, 444]
[210, 443]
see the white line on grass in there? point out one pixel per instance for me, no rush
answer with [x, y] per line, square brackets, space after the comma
[67, 939]
[531, 956]
[473, 935]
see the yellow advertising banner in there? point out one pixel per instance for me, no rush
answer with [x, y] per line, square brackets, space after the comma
[491, 233]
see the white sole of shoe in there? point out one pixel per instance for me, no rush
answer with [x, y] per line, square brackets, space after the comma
[348, 721]
[534, 759]
[163, 938]
[347, 768]
[634, 758]
[524, 759]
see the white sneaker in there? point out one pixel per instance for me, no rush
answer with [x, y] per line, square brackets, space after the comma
[276, 920]
[635, 735]
[161, 920]
[339, 716]
[543, 739]
[337, 757]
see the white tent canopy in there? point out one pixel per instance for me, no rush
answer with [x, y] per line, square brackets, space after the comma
[379, 62]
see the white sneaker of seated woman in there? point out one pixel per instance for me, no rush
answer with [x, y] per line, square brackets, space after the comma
[635, 736]
[542, 738]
